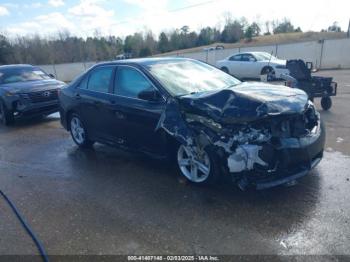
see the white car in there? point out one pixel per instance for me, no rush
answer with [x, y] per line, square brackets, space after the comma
[253, 64]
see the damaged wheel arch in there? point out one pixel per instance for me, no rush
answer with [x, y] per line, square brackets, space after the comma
[247, 144]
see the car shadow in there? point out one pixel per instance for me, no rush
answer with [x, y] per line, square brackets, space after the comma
[159, 185]
[31, 122]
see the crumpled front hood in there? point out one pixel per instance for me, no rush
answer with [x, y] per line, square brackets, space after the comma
[32, 86]
[246, 102]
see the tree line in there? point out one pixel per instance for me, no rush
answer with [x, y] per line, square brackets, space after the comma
[66, 48]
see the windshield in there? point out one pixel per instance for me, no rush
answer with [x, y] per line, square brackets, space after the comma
[21, 74]
[261, 56]
[189, 76]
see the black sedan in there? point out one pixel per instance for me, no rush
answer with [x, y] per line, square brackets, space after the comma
[212, 124]
[27, 91]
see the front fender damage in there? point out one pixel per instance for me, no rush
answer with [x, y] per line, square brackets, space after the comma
[198, 132]
[243, 146]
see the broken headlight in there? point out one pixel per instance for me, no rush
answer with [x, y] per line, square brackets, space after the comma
[8, 93]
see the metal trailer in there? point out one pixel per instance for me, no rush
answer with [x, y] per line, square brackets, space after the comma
[315, 86]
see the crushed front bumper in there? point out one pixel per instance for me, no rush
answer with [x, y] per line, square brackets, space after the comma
[280, 180]
[296, 157]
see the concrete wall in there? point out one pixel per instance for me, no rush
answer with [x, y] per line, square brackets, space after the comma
[336, 54]
[67, 72]
[327, 54]
[308, 51]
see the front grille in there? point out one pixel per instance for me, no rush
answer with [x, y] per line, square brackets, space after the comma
[297, 125]
[42, 96]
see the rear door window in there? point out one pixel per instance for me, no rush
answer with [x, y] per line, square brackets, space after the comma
[100, 79]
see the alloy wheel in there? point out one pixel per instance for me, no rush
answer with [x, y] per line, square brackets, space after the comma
[193, 164]
[78, 131]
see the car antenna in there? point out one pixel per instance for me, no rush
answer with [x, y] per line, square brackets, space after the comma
[270, 58]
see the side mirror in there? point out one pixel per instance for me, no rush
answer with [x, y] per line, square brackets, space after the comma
[51, 75]
[251, 59]
[151, 95]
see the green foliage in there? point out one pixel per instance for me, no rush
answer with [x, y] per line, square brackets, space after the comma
[5, 50]
[249, 33]
[163, 43]
[65, 48]
[233, 32]
[252, 30]
[206, 36]
[284, 27]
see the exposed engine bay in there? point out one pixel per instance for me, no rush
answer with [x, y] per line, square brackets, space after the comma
[251, 134]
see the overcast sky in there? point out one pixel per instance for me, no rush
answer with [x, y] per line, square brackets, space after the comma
[122, 17]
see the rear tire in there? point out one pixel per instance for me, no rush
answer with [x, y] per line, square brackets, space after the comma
[201, 168]
[326, 103]
[78, 132]
[271, 74]
[6, 118]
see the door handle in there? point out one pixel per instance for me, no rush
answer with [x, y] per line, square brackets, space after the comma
[77, 96]
[119, 115]
[97, 103]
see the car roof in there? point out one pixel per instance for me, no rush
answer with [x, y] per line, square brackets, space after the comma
[145, 61]
[252, 53]
[15, 66]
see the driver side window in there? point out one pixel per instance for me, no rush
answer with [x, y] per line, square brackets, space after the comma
[130, 82]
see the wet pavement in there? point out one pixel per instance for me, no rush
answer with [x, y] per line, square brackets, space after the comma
[105, 201]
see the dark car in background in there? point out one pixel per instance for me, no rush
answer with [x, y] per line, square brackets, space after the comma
[27, 91]
[211, 123]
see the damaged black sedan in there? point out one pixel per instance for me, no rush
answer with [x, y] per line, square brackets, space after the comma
[212, 124]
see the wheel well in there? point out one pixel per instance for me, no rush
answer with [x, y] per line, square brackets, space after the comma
[264, 68]
[224, 68]
[171, 144]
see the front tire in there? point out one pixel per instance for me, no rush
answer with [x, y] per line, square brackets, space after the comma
[78, 132]
[326, 103]
[198, 166]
